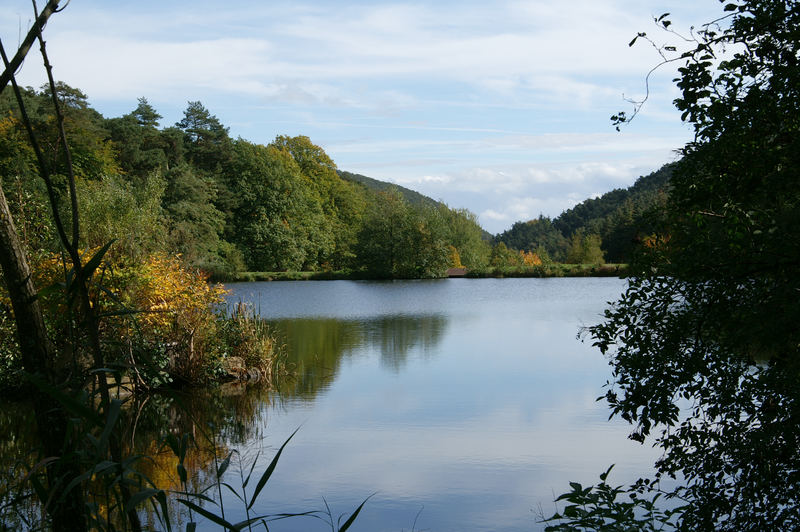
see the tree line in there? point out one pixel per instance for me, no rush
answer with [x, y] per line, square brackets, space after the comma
[608, 228]
[226, 205]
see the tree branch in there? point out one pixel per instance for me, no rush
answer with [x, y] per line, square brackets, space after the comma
[22, 51]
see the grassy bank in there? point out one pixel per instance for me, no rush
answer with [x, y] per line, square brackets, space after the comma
[545, 270]
[554, 270]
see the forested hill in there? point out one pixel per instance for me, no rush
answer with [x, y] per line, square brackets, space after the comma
[616, 221]
[226, 205]
[411, 196]
[593, 214]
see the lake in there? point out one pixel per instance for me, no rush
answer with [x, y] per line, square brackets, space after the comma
[456, 404]
[461, 404]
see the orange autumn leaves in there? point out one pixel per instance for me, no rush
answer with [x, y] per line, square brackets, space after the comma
[156, 308]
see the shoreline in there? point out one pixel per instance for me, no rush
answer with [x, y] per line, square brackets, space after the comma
[543, 271]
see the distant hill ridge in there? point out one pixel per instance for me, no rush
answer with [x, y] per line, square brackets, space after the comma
[411, 196]
[590, 213]
[619, 217]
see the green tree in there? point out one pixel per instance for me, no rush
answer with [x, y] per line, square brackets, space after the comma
[538, 233]
[113, 209]
[141, 147]
[584, 249]
[503, 257]
[145, 114]
[193, 222]
[342, 202]
[205, 138]
[399, 241]
[709, 321]
[279, 222]
[465, 234]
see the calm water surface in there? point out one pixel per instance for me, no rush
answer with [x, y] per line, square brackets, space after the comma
[462, 404]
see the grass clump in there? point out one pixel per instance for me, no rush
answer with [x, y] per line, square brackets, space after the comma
[251, 350]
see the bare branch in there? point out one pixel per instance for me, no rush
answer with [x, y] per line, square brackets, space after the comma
[44, 171]
[22, 51]
[72, 247]
[700, 39]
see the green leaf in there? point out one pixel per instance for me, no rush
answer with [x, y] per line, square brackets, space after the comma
[72, 405]
[268, 473]
[232, 490]
[252, 466]
[75, 482]
[352, 517]
[113, 415]
[198, 495]
[208, 515]
[241, 524]
[95, 261]
[224, 466]
[182, 473]
[139, 497]
[604, 476]
[162, 501]
[41, 492]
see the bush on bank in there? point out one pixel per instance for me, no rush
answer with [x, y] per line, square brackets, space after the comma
[162, 323]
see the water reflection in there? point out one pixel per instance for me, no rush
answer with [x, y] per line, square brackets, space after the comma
[217, 421]
[472, 398]
[395, 337]
[316, 347]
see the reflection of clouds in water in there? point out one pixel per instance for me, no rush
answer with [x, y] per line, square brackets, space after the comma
[470, 397]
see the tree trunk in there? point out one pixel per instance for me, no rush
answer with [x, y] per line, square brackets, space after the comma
[39, 358]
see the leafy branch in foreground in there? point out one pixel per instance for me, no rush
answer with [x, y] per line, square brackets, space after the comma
[603, 507]
[704, 343]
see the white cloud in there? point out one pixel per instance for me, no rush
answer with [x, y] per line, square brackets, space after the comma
[501, 47]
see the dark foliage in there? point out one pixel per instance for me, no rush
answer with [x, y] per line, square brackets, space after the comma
[704, 344]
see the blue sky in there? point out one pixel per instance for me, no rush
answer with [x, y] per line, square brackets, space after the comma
[501, 107]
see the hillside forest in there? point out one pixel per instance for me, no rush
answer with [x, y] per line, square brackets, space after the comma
[227, 205]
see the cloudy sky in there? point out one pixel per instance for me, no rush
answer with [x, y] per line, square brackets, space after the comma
[501, 107]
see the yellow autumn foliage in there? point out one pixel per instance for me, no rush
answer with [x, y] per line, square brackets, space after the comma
[156, 313]
[177, 306]
[166, 292]
[529, 258]
[455, 257]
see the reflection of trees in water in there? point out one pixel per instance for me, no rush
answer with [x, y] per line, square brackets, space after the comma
[219, 420]
[229, 417]
[316, 347]
[396, 336]
[17, 442]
